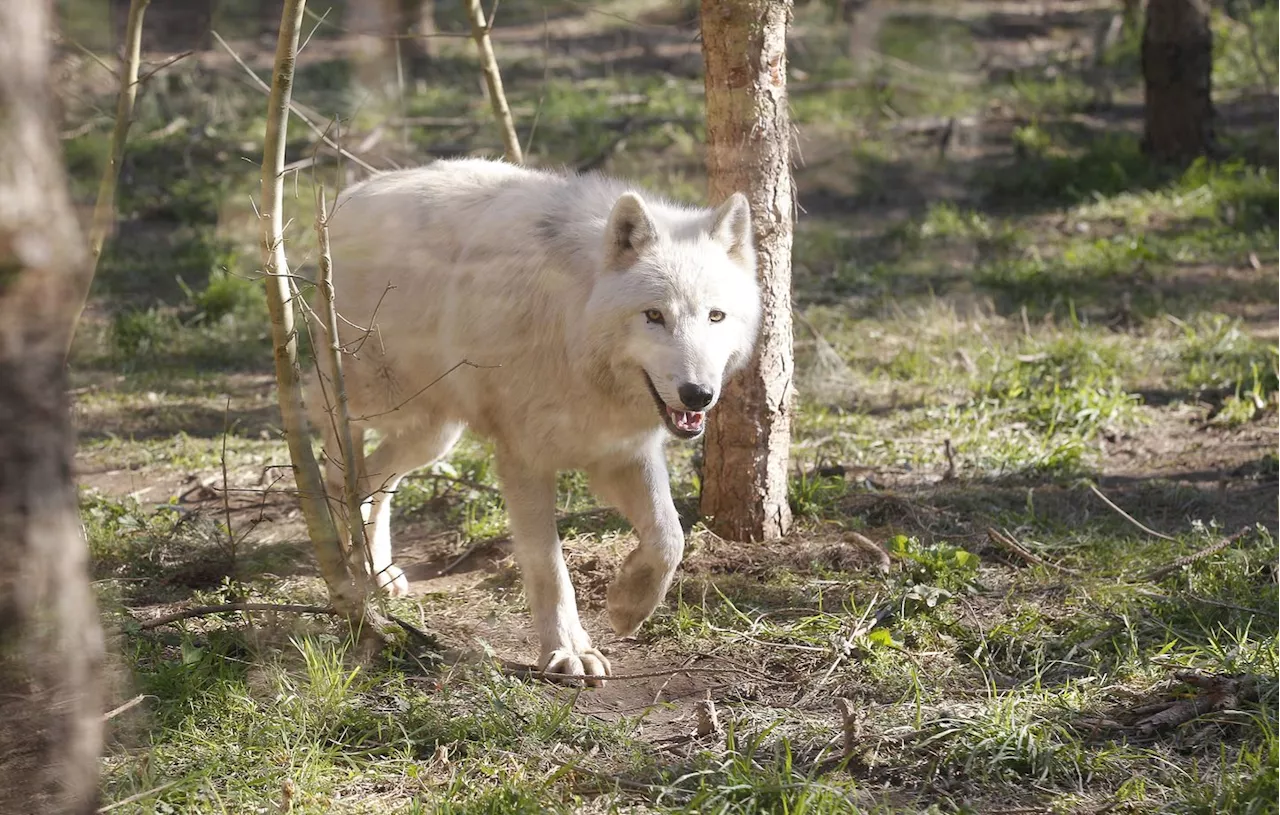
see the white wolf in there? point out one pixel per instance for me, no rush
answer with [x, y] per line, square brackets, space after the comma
[599, 320]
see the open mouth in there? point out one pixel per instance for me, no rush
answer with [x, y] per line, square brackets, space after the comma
[684, 424]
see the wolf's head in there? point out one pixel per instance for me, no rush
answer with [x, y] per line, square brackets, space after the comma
[682, 305]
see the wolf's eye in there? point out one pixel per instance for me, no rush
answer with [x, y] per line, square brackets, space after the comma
[716, 315]
[655, 316]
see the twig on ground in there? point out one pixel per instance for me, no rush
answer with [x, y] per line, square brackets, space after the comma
[616, 780]
[708, 718]
[1129, 517]
[850, 724]
[227, 608]
[116, 711]
[139, 796]
[522, 670]
[1007, 541]
[1162, 572]
[1208, 601]
[494, 541]
[872, 548]
[1217, 692]
[466, 482]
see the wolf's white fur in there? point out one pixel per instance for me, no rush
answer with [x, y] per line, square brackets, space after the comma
[546, 283]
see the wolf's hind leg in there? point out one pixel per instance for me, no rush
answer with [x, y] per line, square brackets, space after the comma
[641, 490]
[531, 506]
[396, 456]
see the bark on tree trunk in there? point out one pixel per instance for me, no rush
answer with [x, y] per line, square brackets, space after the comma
[1177, 66]
[744, 483]
[418, 19]
[50, 638]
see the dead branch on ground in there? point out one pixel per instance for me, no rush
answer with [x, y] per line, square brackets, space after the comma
[870, 547]
[1215, 692]
[493, 80]
[229, 608]
[481, 545]
[1009, 543]
[1130, 518]
[1158, 574]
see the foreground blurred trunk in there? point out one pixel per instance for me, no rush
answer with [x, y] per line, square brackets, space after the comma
[50, 639]
[1177, 66]
[744, 487]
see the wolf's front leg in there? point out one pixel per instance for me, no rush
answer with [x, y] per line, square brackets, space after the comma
[641, 490]
[531, 506]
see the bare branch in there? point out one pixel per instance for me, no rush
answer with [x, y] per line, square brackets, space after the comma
[423, 390]
[104, 210]
[341, 416]
[345, 594]
[294, 110]
[227, 608]
[1130, 518]
[493, 80]
[1162, 572]
[1008, 542]
[129, 705]
[170, 61]
[76, 45]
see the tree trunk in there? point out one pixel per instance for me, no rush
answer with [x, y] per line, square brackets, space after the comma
[50, 638]
[744, 484]
[418, 22]
[1177, 65]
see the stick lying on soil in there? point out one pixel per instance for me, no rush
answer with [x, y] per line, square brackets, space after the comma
[1129, 517]
[227, 608]
[1007, 541]
[1212, 549]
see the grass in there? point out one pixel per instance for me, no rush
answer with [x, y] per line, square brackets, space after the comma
[987, 330]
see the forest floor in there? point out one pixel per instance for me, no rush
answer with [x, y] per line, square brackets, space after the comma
[1012, 330]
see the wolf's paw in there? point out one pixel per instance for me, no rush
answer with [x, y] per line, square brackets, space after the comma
[634, 594]
[392, 580]
[587, 663]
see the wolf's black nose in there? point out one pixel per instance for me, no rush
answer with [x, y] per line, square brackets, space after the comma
[695, 397]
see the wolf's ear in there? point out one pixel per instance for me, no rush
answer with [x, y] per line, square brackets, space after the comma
[731, 228]
[629, 231]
